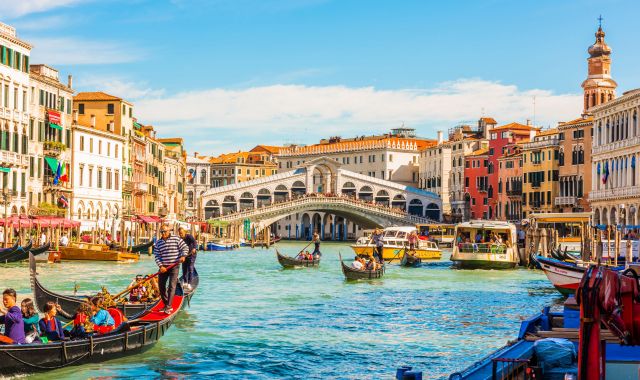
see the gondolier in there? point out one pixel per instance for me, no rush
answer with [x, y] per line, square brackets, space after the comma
[379, 244]
[316, 245]
[188, 266]
[169, 250]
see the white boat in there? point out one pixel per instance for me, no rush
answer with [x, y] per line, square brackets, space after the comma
[477, 248]
[396, 242]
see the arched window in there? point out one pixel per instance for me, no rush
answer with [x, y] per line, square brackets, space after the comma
[203, 176]
[190, 198]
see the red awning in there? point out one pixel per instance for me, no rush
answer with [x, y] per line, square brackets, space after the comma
[54, 116]
[55, 221]
[148, 219]
[16, 221]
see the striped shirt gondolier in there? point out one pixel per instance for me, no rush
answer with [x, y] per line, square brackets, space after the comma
[169, 251]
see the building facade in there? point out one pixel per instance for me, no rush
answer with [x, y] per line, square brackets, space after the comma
[615, 188]
[196, 184]
[230, 168]
[15, 121]
[435, 170]
[575, 165]
[50, 139]
[476, 183]
[510, 184]
[97, 179]
[540, 172]
[175, 167]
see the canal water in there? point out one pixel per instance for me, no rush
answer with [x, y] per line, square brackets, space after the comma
[252, 319]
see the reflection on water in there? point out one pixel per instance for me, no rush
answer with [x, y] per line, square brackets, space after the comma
[252, 319]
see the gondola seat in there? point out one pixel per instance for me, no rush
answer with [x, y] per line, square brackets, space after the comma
[117, 316]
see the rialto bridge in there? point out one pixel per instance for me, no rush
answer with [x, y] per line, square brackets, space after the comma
[321, 196]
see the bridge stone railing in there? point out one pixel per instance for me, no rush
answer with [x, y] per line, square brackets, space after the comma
[266, 212]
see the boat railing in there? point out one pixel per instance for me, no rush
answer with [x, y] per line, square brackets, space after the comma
[508, 368]
[481, 248]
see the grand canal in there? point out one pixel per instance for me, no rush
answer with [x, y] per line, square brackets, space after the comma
[252, 319]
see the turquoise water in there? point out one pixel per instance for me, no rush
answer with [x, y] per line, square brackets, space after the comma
[252, 319]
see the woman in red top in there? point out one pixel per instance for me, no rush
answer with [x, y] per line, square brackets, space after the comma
[50, 326]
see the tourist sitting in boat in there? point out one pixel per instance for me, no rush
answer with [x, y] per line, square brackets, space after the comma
[372, 264]
[304, 256]
[50, 325]
[101, 318]
[138, 290]
[82, 325]
[30, 318]
[12, 319]
[358, 263]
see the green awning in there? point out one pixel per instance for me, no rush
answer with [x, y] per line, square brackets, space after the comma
[55, 126]
[137, 126]
[4, 170]
[53, 163]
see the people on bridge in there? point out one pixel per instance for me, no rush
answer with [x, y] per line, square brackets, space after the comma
[12, 319]
[169, 250]
[378, 243]
[189, 264]
[316, 246]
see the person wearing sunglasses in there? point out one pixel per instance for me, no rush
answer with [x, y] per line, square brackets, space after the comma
[169, 250]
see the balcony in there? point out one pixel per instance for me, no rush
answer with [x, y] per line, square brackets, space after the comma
[539, 144]
[141, 187]
[128, 186]
[53, 149]
[48, 184]
[619, 193]
[610, 147]
[514, 192]
[566, 201]
[535, 185]
[9, 159]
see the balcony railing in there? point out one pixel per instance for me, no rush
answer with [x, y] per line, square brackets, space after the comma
[514, 192]
[481, 248]
[13, 159]
[616, 145]
[566, 201]
[542, 143]
[141, 187]
[621, 192]
[48, 184]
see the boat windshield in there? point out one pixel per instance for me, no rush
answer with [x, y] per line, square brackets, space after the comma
[436, 231]
[390, 234]
[484, 236]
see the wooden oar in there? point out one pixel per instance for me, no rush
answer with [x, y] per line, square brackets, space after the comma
[130, 288]
[306, 246]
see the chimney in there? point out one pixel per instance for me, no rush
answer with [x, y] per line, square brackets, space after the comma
[440, 137]
[75, 116]
[70, 81]
[528, 122]
[93, 121]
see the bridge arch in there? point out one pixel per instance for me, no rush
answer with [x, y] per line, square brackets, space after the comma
[382, 198]
[365, 193]
[229, 205]
[247, 201]
[298, 189]
[264, 197]
[327, 170]
[416, 207]
[433, 211]
[349, 188]
[280, 194]
[212, 209]
[399, 201]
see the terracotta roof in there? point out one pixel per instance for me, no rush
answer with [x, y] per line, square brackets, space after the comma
[489, 120]
[366, 144]
[177, 140]
[577, 121]
[98, 95]
[548, 132]
[479, 152]
[266, 148]
[232, 158]
[515, 127]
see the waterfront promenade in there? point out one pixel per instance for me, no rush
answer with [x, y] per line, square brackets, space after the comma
[251, 319]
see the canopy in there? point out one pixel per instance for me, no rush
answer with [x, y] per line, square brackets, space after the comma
[21, 221]
[217, 223]
[147, 219]
[55, 221]
[55, 126]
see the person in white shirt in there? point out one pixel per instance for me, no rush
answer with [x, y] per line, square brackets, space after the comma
[43, 238]
[357, 264]
[1, 236]
[64, 240]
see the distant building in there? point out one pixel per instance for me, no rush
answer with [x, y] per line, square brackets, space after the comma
[575, 165]
[435, 169]
[393, 156]
[476, 183]
[175, 169]
[540, 158]
[510, 184]
[230, 168]
[196, 184]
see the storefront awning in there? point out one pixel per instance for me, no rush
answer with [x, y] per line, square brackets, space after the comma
[55, 126]
[4, 170]
[52, 162]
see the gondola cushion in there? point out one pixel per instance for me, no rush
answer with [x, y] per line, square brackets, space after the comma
[117, 316]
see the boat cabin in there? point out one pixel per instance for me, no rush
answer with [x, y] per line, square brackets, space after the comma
[441, 233]
[397, 237]
[482, 236]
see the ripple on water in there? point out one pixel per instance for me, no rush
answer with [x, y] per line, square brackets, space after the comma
[252, 319]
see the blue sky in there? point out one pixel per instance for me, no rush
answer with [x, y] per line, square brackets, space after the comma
[228, 74]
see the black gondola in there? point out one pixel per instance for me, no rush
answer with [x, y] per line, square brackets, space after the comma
[41, 249]
[409, 260]
[356, 274]
[141, 247]
[69, 304]
[290, 262]
[130, 338]
[20, 253]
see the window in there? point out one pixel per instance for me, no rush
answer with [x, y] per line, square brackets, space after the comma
[81, 143]
[110, 109]
[99, 147]
[90, 145]
[124, 109]
[90, 177]
[80, 108]
[116, 180]
[109, 180]
[99, 179]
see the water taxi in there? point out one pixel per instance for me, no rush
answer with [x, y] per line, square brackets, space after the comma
[443, 234]
[478, 249]
[395, 242]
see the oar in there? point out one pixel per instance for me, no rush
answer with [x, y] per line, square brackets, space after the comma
[306, 246]
[130, 288]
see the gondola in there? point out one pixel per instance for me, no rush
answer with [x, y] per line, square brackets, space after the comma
[22, 254]
[69, 304]
[130, 338]
[6, 252]
[409, 260]
[141, 247]
[290, 262]
[356, 274]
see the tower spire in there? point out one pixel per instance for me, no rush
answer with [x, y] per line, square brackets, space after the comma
[599, 87]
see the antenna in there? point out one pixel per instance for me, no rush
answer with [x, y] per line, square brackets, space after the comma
[534, 110]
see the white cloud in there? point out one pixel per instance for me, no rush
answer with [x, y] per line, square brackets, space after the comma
[117, 86]
[74, 51]
[17, 8]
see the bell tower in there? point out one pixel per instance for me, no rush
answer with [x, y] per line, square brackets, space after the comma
[598, 87]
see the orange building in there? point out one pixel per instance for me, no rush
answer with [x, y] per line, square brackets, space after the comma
[510, 184]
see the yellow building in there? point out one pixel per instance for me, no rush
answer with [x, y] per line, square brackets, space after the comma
[540, 179]
[175, 165]
[227, 169]
[154, 174]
